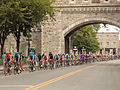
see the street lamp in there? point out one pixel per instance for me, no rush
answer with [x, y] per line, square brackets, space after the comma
[29, 39]
[83, 49]
[75, 49]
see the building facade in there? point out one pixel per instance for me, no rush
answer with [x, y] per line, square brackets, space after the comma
[108, 38]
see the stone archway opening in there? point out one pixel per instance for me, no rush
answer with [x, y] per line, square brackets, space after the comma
[68, 34]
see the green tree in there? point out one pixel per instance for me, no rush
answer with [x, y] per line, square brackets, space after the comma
[28, 13]
[86, 37]
[20, 16]
[5, 21]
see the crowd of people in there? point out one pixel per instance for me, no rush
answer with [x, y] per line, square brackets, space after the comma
[50, 61]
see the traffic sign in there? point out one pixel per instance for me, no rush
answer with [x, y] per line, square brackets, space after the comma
[28, 39]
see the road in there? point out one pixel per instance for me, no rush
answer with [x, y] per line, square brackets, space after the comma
[94, 76]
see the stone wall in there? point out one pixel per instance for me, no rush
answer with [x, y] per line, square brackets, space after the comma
[36, 41]
[72, 18]
[10, 43]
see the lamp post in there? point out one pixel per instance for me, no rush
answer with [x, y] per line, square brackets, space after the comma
[75, 50]
[29, 39]
[83, 49]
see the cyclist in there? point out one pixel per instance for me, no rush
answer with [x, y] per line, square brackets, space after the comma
[5, 62]
[50, 55]
[57, 60]
[51, 60]
[72, 56]
[45, 58]
[3, 56]
[16, 62]
[35, 61]
[67, 59]
[39, 56]
[64, 59]
[76, 58]
[39, 59]
[61, 59]
[21, 61]
[31, 60]
[81, 59]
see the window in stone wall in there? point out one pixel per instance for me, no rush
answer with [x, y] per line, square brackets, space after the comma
[114, 43]
[107, 43]
[72, 1]
[114, 36]
[101, 43]
[100, 37]
[95, 1]
[107, 1]
[107, 36]
[86, 0]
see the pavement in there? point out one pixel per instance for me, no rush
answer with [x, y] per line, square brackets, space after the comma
[94, 76]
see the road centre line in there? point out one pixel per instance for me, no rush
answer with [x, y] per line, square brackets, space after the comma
[57, 79]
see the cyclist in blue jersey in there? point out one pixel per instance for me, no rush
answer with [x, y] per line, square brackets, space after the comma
[4, 60]
[51, 62]
[39, 59]
[31, 61]
[57, 60]
[16, 63]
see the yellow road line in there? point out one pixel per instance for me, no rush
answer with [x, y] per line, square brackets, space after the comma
[57, 79]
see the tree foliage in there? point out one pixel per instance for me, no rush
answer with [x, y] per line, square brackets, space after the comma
[86, 37]
[5, 21]
[20, 16]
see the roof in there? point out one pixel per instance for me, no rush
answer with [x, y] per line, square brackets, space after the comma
[108, 29]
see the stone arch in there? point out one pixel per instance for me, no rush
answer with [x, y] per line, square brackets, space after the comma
[90, 20]
[83, 22]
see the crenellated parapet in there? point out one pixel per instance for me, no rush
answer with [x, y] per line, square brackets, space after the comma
[86, 2]
[90, 9]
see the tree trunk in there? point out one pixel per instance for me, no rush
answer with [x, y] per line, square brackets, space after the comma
[2, 47]
[18, 39]
[18, 43]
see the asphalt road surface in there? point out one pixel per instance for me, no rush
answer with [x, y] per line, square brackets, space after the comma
[95, 76]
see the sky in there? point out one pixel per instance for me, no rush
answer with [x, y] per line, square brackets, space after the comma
[109, 28]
